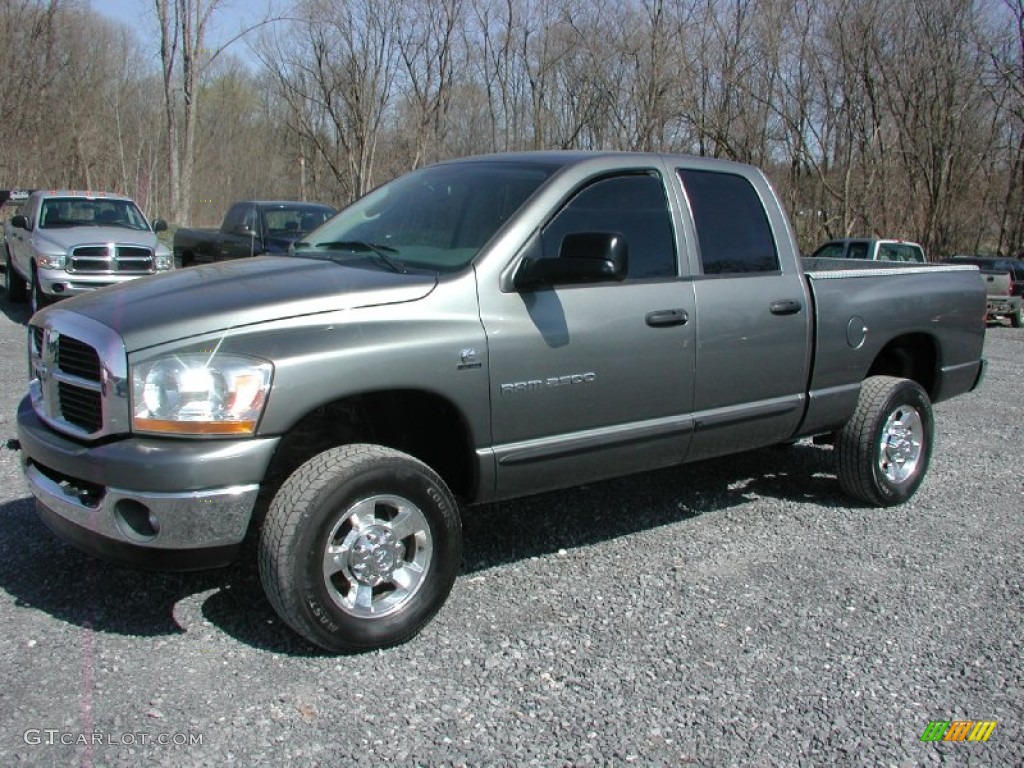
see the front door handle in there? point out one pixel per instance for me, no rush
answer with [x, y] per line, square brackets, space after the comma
[785, 307]
[667, 317]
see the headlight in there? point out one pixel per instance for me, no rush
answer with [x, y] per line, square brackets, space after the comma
[164, 258]
[50, 260]
[200, 394]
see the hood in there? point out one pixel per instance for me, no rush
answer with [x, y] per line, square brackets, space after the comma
[72, 237]
[215, 297]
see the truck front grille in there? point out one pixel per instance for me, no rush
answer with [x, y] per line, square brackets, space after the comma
[77, 358]
[112, 259]
[81, 407]
[79, 376]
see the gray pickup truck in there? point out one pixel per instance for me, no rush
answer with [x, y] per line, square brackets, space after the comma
[476, 330]
[1004, 282]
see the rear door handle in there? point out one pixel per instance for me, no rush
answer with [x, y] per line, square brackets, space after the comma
[785, 307]
[667, 317]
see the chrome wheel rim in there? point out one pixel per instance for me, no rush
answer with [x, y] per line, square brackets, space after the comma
[901, 445]
[377, 556]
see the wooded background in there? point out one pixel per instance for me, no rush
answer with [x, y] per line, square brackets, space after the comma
[900, 118]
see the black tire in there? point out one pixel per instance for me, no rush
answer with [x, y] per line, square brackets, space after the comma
[882, 453]
[1017, 318]
[14, 283]
[383, 588]
[37, 299]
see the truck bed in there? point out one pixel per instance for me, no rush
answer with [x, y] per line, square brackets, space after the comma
[850, 332]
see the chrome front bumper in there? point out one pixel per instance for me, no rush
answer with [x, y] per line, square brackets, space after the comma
[192, 520]
[92, 496]
[75, 284]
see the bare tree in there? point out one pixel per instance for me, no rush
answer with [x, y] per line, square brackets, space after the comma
[30, 67]
[336, 66]
[426, 42]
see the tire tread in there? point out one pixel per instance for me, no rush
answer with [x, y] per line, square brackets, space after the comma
[289, 511]
[855, 449]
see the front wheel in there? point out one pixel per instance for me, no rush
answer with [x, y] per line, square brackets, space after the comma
[14, 284]
[360, 548]
[37, 299]
[883, 451]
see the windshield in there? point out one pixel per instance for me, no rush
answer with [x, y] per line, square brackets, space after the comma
[62, 212]
[291, 220]
[436, 219]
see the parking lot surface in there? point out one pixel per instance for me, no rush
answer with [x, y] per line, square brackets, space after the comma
[739, 612]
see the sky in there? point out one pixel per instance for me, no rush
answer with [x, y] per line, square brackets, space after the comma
[230, 17]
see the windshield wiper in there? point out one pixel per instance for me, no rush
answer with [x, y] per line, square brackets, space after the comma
[378, 249]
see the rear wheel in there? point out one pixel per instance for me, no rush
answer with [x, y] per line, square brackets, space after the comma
[1017, 318]
[883, 451]
[360, 548]
[14, 284]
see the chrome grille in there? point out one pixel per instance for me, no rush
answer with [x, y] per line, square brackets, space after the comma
[112, 258]
[92, 250]
[134, 251]
[81, 407]
[77, 358]
[79, 376]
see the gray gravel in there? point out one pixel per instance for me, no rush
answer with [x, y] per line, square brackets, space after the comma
[739, 612]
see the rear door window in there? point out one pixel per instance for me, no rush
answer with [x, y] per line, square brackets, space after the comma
[857, 251]
[733, 232]
[829, 251]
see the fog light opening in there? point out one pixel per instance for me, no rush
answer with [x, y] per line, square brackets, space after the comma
[136, 520]
[58, 287]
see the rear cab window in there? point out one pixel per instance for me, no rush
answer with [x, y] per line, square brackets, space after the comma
[900, 252]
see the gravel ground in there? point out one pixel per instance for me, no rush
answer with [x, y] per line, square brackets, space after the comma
[734, 613]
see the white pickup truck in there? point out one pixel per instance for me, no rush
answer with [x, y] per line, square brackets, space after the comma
[872, 249]
[63, 243]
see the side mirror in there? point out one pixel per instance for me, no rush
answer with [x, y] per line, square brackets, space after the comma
[584, 257]
[19, 221]
[159, 225]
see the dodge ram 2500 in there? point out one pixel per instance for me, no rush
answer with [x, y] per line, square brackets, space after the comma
[1004, 281]
[475, 330]
[250, 228]
[63, 243]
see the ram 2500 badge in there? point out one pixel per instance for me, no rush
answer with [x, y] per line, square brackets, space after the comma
[476, 330]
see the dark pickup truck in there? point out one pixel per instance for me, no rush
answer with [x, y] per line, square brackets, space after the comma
[250, 228]
[473, 331]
